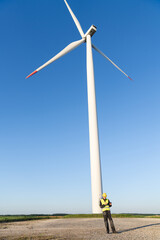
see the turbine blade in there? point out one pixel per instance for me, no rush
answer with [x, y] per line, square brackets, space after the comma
[32, 74]
[67, 49]
[75, 20]
[110, 61]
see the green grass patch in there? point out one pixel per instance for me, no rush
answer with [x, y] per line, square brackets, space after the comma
[16, 218]
[121, 215]
[135, 215]
[83, 216]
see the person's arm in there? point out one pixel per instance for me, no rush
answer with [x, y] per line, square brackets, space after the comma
[102, 205]
[109, 203]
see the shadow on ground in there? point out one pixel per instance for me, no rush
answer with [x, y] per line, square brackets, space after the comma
[132, 229]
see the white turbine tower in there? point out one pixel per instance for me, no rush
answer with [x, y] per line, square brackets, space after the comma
[96, 180]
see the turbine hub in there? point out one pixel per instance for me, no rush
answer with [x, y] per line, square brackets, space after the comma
[91, 31]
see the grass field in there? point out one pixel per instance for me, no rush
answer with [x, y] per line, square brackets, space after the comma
[121, 215]
[16, 218]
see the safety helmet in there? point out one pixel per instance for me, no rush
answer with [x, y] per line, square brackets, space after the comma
[104, 195]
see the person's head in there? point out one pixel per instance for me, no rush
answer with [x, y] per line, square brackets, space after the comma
[104, 195]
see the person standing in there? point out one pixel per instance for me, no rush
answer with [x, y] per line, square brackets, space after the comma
[105, 204]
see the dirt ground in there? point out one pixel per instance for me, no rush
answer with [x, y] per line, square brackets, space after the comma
[82, 228]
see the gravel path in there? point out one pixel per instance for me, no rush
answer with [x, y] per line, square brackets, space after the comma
[81, 229]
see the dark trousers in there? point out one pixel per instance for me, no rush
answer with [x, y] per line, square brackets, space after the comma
[107, 215]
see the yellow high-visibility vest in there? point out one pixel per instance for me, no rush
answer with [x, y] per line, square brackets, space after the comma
[106, 208]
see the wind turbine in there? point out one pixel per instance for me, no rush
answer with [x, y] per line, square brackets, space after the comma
[96, 179]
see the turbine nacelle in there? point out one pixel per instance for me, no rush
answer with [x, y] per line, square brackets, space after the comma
[91, 31]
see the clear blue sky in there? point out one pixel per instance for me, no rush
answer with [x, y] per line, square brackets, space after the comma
[44, 140]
